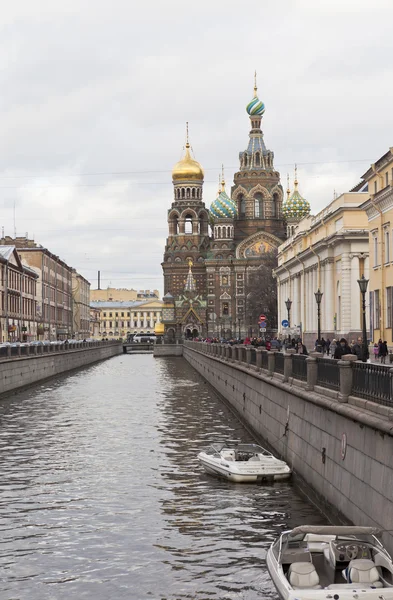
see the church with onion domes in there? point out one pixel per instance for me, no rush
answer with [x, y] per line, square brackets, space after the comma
[209, 253]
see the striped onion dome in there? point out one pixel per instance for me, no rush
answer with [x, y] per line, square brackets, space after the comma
[223, 207]
[255, 107]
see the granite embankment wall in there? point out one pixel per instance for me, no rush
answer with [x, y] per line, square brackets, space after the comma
[343, 452]
[19, 372]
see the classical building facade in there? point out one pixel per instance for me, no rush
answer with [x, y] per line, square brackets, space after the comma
[120, 319]
[80, 306]
[379, 209]
[18, 298]
[54, 288]
[245, 226]
[329, 252]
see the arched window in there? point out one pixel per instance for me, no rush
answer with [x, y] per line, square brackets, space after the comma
[242, 205]
[258, 205]
[174, 224]
[188, 192]
[245, 159]
[193, 192]
[276, 199]
[188, 225]
[257, 160]
[197, 193]
[228, 232]
[183, 193]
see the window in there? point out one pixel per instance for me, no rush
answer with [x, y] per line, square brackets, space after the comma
[256, 208]
[117, 324]
[128, 314]
[116, 314]
[104, 314]
[387, 246]
[110, 314]
[122, 314]
[377, 309]
[375, 250]
[110, 324]
[389, 306]
[242, 205]
[225, 308]
[188, 225]
[386, 178]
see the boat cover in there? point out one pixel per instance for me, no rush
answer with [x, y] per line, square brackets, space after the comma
[335, 530]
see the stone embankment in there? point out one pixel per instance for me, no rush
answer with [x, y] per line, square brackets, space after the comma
[30, 365]
[339, 444]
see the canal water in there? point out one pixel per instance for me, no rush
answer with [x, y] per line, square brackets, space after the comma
[101, 496]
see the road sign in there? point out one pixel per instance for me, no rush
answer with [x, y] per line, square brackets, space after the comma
[262, 326]
[285, 323]
[262, 317]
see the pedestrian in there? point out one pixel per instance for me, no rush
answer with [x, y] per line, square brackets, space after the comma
[328, 346]
[383, 351]
[301, 348]
[333, 347]
[323, 344]
[342, 349]
[358, 348]
[376, 351]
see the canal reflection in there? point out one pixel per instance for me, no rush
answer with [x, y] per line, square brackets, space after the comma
[102, 497]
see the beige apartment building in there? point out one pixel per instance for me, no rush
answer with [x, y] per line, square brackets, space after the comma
[18, 304]
[95, 323]
[329, 252]
[122, 295]
[53, 291]
[379, 210]
[80, 306]
[119, 319]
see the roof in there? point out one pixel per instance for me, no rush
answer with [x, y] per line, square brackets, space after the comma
[124, 304]
[6, 252]
[381, 162]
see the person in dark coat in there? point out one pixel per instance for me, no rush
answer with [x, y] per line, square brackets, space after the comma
[342, 349]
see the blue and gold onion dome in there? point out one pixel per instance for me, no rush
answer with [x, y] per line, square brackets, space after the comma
[223, 207]
[296, 207]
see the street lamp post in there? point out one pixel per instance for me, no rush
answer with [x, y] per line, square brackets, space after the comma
[363, 283]
[288, 304]
[318, 297]
[238, 322]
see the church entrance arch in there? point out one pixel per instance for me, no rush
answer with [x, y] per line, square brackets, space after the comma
[191, 331]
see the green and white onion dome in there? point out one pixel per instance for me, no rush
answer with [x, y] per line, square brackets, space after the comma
[296, 207]
[223, 207]
[256, 107]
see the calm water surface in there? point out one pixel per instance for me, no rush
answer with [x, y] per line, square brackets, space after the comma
[101, 495]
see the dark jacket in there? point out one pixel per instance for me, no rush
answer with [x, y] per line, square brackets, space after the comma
[342, 350]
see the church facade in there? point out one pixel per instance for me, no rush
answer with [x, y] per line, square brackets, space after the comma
[210, 253]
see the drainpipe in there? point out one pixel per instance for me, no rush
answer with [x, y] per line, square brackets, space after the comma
[382, 296]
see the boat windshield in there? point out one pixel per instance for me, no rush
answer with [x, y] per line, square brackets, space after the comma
[244, 449]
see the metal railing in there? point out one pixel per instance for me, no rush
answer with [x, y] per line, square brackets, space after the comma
[328, 373]
[299, 367]
[253, 360]
[265, 360]
[372, 382]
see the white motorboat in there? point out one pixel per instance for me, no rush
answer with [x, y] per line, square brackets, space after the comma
[243, 463]
[342, 563]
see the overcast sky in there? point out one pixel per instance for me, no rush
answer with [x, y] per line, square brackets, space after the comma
[95, 95]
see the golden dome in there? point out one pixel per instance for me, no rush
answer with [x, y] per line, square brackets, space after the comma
[187, 169]
[159, 329]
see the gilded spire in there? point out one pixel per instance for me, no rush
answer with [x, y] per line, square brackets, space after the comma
[255, 85]
[295, 183]
[288, 190]
[222, 179]
[190, 285]
[187, 142]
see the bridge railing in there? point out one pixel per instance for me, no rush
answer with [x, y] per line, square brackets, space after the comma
[15, 351]
[345, 379]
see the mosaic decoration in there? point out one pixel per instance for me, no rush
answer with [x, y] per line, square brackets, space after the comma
[257, 249]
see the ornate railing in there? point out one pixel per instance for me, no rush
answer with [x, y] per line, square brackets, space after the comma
[253, 360]
[299, 367]
[372, 382]
[279, 362]
[265, 360]
[328, 373]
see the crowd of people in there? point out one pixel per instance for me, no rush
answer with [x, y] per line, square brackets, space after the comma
[335, 348]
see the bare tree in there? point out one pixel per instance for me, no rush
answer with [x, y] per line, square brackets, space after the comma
[261, 292]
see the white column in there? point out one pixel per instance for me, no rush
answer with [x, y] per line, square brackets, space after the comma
[328, 292]
[355, 294]
[144, 320]
[138, 317]
[346, 300]
[151, 320]
[279, 319]
[367, 276]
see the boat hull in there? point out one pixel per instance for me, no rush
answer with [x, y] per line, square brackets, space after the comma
[228, 471]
